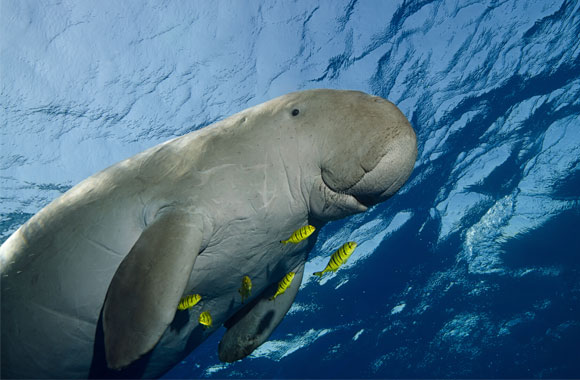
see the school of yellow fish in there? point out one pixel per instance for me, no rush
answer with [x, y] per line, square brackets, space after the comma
[205, 319]
[188, 301]
[338, 258]
[246, 289]
[299, 235]
[283, 285]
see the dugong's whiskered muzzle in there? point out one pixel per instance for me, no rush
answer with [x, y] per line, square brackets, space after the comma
[389, 174]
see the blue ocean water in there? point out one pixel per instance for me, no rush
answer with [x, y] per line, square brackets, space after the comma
[471, 270]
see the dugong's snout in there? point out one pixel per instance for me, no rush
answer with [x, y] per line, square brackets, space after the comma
[389, 151]
[369, 153]
[391, 172]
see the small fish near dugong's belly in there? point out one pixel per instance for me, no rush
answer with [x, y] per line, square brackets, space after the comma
[94, 284]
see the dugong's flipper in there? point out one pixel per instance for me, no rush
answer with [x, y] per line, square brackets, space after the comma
[146, 288]
[251, 326]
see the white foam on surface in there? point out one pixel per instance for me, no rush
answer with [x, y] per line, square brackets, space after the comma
[358, 334]
[278, 349]
[469, 170]
[531, 204]
[399, 308]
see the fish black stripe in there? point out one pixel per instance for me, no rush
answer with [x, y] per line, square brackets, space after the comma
[334, 261]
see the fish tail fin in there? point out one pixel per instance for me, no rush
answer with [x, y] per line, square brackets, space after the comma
[319, 274]
[284, 241]
[271, 298]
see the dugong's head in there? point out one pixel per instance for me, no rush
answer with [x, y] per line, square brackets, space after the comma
[364, 149]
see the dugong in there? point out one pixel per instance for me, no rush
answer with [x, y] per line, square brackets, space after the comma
[91, 284]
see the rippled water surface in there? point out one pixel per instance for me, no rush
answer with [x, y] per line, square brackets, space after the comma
[471, 270]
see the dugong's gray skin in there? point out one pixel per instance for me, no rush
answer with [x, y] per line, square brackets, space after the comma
[93, 280]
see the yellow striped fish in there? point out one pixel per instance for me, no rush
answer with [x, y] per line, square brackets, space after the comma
[299, 235]
[283, 285]
[188, 301]
[338, 258]
[246, 289]
[205, 319]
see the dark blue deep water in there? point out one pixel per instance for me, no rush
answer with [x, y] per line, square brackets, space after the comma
[471, 271]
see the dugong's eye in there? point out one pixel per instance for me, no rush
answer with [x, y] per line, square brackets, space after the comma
[295, 112]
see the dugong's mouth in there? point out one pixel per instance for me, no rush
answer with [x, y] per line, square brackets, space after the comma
[360, 195]
[381, 182]
[364, 200]
[370, 199]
